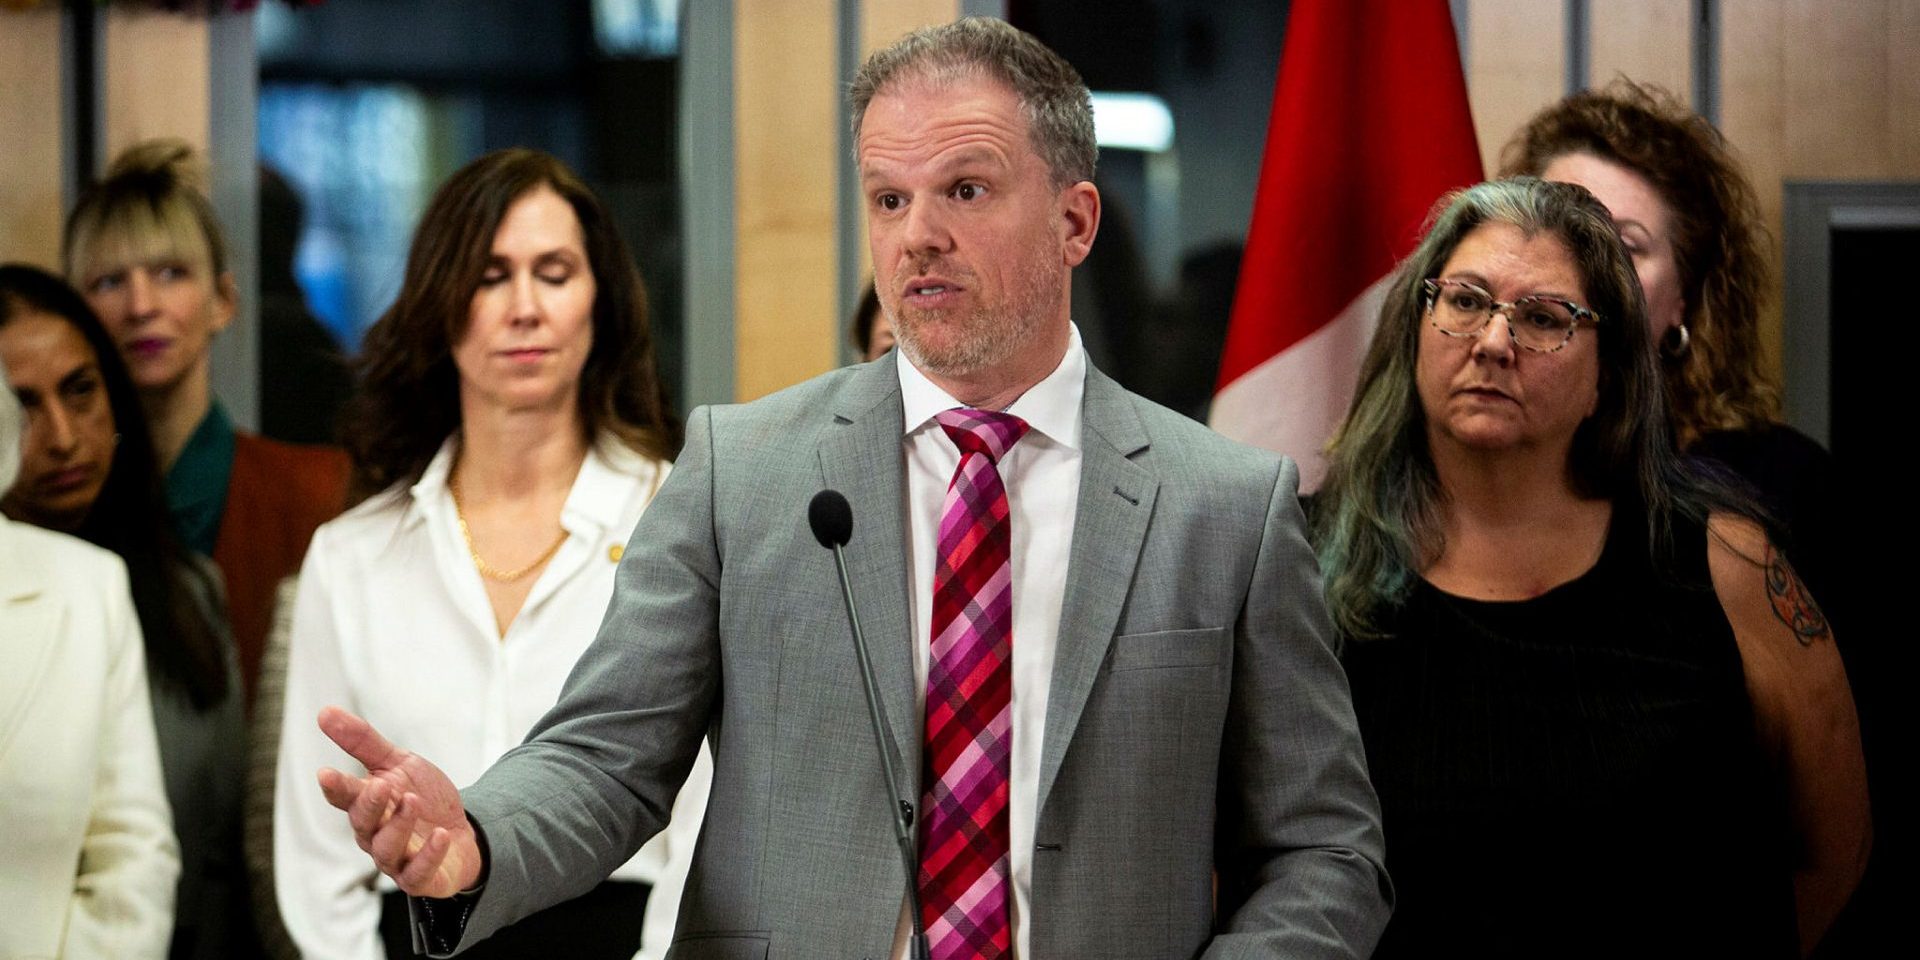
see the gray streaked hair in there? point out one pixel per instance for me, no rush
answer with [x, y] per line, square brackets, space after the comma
[1377, 520]
[1053, 98]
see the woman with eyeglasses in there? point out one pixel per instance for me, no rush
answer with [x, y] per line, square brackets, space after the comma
[1603, 714]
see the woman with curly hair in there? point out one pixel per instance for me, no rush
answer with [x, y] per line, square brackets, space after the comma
[1687, 215]
[509, 431]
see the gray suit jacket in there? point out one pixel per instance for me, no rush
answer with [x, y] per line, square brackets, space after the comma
[1197, 716]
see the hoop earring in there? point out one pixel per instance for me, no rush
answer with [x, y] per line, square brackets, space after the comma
[1675, 343]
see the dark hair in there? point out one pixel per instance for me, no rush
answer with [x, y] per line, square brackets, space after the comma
[1378, 515]
[1055, 101]
[1718, 382]
[861, 330]
[130, 516]
[409, 397]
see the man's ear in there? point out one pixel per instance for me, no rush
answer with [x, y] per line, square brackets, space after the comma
[1079, 220]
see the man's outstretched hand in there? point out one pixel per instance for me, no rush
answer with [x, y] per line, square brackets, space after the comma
[405, 813]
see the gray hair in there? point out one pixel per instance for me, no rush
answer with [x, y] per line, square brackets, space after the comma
[1378, 515]
[1053, 98]
[13, 429]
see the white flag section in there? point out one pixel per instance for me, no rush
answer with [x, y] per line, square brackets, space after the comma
[1293, 401]
[1369, 127]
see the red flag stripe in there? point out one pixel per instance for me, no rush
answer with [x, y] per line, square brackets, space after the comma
[1370, 125]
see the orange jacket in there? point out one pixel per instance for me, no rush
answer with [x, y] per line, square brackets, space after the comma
[278, 494]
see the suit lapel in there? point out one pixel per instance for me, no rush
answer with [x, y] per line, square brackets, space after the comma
[28, 623]
[860, 456]
[1116, 502]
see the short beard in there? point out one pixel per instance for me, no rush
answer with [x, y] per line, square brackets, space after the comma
[989, 341]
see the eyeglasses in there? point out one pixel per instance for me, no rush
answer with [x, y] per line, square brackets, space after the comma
[1458, 308]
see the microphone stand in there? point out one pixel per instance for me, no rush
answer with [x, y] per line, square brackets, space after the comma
[902, 814]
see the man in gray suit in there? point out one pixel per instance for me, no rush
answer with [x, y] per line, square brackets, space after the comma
[1169, 708]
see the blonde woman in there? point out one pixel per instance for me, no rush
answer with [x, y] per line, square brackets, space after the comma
[145, 250]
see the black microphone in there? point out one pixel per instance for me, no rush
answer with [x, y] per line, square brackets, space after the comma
[831, 518]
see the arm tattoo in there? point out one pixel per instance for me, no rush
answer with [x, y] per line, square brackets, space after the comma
[1792, 603]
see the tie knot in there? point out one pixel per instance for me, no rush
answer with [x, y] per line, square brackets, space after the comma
[982, 431]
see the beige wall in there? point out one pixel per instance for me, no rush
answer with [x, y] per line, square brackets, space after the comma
[31, 199]
[1809, 89]
[1516, 64]
[154, 83]
[154, 79]
[785, 52]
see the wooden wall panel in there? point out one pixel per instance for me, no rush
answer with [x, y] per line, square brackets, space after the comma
[786, 113]
[1813, 90]
[1835, 86]
[884, 21]
[1650, 41]
[1903, 88]
[154, 78]
[1753, 117]
[1516, 65]
[31, 199]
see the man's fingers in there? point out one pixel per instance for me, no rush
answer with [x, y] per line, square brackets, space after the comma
[369, 811]
[422, 872]
[340, 789]
[388, 846]
[359, 739]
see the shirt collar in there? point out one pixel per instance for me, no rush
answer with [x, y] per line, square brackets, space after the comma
[197, 483]
[1051, 407]
[594, 504]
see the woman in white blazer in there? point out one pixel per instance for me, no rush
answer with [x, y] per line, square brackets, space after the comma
[88, 858]
[509, 430]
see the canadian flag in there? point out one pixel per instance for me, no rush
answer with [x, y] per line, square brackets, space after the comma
[1370, 126]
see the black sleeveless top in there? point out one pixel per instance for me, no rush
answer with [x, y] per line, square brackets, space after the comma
[1576, 774]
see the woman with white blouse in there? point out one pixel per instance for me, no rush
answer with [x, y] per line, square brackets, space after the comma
[509, 431]
[88, 859]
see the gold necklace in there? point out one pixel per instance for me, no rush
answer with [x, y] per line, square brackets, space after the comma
[486, 569]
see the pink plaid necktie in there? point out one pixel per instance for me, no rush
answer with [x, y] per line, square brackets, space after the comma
[964, 882]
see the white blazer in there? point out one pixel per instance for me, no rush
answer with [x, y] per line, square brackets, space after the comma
[88, 860]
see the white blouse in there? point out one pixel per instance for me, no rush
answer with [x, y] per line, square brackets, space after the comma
[88, 860]
[393, 623]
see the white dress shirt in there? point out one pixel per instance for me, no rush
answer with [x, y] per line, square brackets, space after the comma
[393, 623]
[1042, 478]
